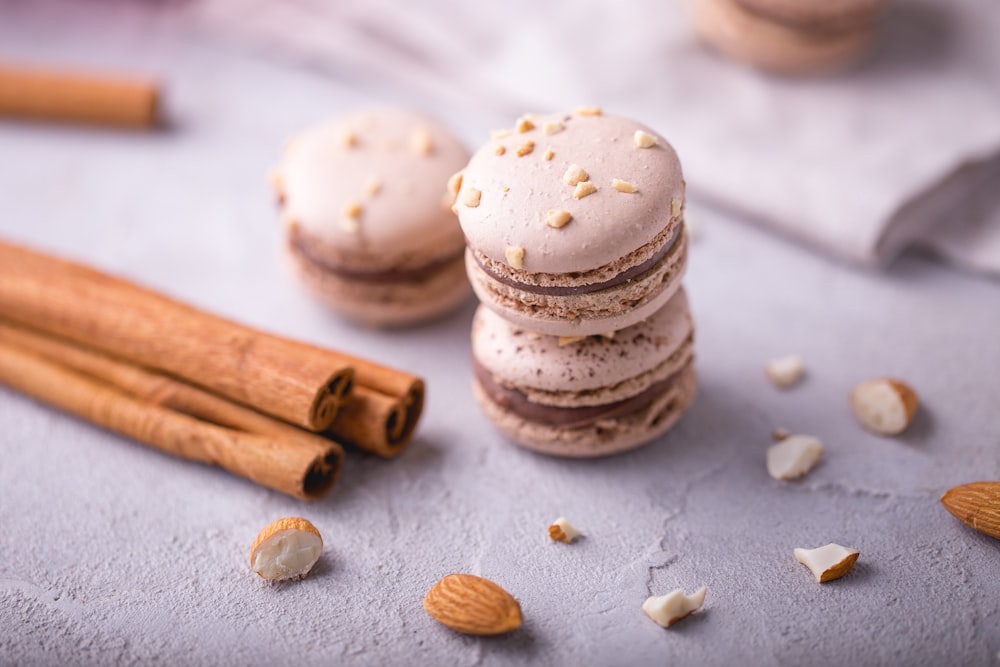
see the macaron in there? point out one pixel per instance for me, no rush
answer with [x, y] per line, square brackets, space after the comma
[585, 396]
[574, 222]
[367, 210]
[789, 36]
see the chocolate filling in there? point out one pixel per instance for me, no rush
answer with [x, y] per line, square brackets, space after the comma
[516, 402]
[416, 274]
[568, 290]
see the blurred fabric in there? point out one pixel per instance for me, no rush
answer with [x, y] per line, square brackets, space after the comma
[903, 150]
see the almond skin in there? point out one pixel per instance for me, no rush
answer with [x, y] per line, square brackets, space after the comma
[472, 605]
[976, 504]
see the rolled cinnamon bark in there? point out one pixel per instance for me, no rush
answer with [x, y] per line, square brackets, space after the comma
[79, 97]
[380, 423]
[291, 466]
[158, 389]
[299, 383]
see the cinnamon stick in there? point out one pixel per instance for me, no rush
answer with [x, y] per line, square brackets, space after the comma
[299, 383]
[291, 466]
[158, 389]
[77, 96]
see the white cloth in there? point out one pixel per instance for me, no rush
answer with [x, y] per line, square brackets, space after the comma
[903, 150]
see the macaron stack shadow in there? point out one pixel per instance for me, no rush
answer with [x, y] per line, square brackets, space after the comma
[582, 345]
[790, 36]
[369, 224]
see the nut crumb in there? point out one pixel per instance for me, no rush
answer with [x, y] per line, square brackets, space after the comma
[562, 530]
[665, 610]
[574, 174]
[500, 149]
[623, 186]
[352, 209]
[884, 406]
[472, 197]
[421, 142]
[569, 340]
[348, 139]
[534, 335]
[549, 154]
[515, 256]
[608, 335]
[505, 188]
[525, 123]
[373, 187]
[291, 224]
[558, 218]
[785, 372]
[553, 127]
[526, 148]
[584, 188]
[828, 563]
[675, 207]
[500, 134]
[780, 434]
[588, 111]
[793, 456]
[643, 139]
[455, 182]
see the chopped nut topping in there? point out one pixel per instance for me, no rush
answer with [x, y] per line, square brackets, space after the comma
[623, 186]
[500, 149]
[421, 142]
[291, 223]
[534, 335]
[608, 335]
[350, 225]
[349, 139]
[574, 174]
[352, 209]
[557, 218]
[780, 434]
[562, 530]
[373, 187]
[569, 340]
[643, 139]
[526, 148]
[588, 111]
[505, 188]
[500, 134]
[675, 207]
[553, 127]
[515, 256]
[471, 197]
[524, 124]
[274, 176]
[549, 154]
[455, 182]
[584, 188]
[884, 406]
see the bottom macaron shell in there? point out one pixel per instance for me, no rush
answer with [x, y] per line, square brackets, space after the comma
[780, 47]
[590, 314]
[385, 304]
[605, 437]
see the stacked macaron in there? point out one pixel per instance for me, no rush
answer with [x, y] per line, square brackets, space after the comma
[576, 247]
[369, 224]
[789, 36]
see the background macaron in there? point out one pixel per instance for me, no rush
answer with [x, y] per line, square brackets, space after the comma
[585, 397]
[574, 222]
[789, 36]
[367, 211]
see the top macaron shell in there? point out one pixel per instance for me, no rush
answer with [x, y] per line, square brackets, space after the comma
[371, 189]
[809, 13]
[518, 189]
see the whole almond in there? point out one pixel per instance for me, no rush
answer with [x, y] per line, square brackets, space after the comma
[976, 504]
[473, 605]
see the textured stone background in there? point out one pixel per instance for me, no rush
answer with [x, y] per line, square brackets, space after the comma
[111, 553]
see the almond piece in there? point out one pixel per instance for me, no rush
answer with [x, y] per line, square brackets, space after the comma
[884, 406]
[562, 530]
[643, 139]
[472, 605]
[515, 256]
[828, 563]
[286, 549]
[785, 372]
[558, 218]
[793, 456]
[976, 504]
[667, 609]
